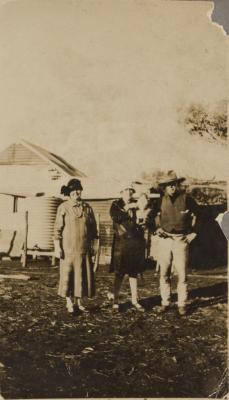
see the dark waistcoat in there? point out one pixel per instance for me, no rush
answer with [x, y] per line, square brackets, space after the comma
[175, 217]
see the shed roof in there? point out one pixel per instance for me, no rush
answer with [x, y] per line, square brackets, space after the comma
[26, 153]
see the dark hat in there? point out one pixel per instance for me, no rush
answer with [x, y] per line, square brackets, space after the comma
[73, 184]
[170, 177]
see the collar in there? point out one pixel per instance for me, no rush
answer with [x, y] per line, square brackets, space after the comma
[75, 204]
[174, 197]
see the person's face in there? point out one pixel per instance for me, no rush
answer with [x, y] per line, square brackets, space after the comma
[75, 195]
[171, 189]
[127, 195]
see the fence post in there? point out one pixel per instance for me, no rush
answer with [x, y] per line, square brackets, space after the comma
[96, 261]
[24, 255]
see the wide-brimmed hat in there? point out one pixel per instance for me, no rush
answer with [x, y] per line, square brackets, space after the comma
[73, 184]
[170, 177]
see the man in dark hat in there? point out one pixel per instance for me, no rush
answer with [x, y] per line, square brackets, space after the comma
[176, 222]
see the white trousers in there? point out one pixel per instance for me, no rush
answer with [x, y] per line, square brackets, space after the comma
[173, 251]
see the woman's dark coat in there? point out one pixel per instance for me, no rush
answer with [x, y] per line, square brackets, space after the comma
[128, 250]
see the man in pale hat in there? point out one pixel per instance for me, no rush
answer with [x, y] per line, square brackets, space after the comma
[177, 217]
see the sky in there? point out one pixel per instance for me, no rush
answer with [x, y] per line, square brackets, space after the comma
[100, 82]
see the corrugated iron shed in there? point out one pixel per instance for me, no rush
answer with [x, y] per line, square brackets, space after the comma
[26, 153]
[102, 208]
[18, 154]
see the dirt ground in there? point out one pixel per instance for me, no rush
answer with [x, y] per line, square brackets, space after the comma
[47, 353]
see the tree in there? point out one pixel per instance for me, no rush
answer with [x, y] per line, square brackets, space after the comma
[153, 176]
[211, 125]
[220, 125]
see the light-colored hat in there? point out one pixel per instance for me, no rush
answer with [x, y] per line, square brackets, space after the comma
[170, 177]
[128, 186]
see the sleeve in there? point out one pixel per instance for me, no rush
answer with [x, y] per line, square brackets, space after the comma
[150, 222]
[195, 211]
[192, 206]
[157, 213]
[93, 225]
[117, 214]
[59, 223]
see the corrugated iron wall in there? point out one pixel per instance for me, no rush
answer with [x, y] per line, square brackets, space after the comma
[41, 218]
[18, 154]
[102, 208]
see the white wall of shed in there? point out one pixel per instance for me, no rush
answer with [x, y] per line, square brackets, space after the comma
[29, 180]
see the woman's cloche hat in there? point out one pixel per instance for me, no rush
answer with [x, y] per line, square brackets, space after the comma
[73, 184]
[128, 187]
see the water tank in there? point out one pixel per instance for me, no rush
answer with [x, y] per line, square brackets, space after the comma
[6, 205]
[41, 218]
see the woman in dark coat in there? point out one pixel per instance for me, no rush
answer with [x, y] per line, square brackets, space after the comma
[128, 251]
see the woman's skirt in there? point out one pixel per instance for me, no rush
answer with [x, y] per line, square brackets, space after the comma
[77, 277]
[128, 256]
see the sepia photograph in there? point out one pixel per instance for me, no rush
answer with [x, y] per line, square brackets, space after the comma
[113, 199]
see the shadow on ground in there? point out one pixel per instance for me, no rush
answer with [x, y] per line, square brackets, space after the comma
[199, 297]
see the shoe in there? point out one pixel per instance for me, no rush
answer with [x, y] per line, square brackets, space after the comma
[110, 296]
[82, 308]
[115, 307]
[70, 307]
[182, 311]
[163, 309]
[138, 307]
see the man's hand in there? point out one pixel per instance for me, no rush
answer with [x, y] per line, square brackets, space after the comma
[190, 237]
[161, 233]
